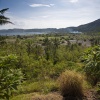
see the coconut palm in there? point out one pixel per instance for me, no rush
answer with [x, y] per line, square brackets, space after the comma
[3, 19]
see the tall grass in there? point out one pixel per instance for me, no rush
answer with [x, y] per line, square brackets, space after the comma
[28, 90]
[39, 86]
[70, 83]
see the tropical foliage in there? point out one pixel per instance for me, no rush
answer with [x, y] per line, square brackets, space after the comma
[10, 76]
[3, 19]
[92, 64]
[42, 58]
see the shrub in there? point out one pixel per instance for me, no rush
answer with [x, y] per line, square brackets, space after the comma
[70, 83]
[10, 77]
[91, 58]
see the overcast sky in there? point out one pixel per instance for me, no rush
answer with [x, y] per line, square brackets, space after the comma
[50, 13]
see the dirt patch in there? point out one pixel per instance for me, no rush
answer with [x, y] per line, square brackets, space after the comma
[91, 95]
[88, 95]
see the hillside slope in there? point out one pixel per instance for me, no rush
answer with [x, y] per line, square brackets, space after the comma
[90, 27]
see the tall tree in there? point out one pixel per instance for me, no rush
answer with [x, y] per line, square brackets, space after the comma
[3, 19]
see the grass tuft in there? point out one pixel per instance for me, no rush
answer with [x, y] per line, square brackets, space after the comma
[70, 83]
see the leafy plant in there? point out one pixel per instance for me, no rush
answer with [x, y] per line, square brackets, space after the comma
[10, 77]
[91, 58]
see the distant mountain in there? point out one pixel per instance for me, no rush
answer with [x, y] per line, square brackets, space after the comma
[46, 30]
[89, 27]
[41, 30]
[11, 30]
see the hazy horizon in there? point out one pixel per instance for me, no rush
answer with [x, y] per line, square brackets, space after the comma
[31, 14]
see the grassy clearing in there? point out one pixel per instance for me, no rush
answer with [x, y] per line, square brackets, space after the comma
[28, 90]
[45, 90]
[40, 86]
[23, 97]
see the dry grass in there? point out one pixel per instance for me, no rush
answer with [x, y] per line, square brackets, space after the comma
[38, 96]
[50, 96]
[71, 84]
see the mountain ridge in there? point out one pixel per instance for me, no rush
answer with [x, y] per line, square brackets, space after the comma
[89, 27]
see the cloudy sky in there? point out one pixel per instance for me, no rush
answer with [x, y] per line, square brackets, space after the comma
[50, 13]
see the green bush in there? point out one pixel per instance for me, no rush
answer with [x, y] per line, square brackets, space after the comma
[70, 83]
[10, 77]
[91, 58]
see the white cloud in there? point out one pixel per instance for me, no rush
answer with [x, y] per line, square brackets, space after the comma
[41, 5]
[45, 16]
[44, 22]
[52, 4]
[80, 13]
[73, 1]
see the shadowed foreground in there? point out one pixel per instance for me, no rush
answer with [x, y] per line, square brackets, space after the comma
[89, 95]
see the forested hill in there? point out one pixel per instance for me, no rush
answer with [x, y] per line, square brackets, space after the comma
[89, 27]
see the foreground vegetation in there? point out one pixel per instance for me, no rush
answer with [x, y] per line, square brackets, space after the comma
[33, 64]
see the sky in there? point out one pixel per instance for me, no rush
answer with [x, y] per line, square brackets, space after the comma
[28, 14]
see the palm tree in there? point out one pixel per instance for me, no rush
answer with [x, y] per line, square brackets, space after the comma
[3, 19]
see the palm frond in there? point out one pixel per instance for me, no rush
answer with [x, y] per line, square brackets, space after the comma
[3, 17]
[3, 10]
[2, 22]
